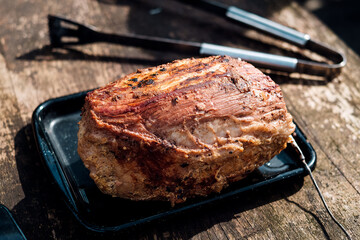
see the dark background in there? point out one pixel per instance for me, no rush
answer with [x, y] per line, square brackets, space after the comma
[342, 17]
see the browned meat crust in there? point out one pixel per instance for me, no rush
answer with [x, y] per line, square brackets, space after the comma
[182, 129]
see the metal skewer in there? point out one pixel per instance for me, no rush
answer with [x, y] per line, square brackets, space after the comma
[308, 170]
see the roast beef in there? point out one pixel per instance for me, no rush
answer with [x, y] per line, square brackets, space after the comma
[187, 128]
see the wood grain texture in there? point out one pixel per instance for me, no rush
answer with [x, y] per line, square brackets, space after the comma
[31, 72]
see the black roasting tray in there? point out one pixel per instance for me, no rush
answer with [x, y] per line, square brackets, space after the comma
[55, 128]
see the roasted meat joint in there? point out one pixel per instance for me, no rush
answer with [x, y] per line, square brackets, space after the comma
[183, 129]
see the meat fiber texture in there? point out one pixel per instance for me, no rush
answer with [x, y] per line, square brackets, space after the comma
[183, 129]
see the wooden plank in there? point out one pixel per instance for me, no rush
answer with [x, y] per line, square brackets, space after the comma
[9, 179]
[31, 72]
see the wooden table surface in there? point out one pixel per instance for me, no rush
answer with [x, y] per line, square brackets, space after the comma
[31, 72]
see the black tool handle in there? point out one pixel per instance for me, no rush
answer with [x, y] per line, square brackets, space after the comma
[149, 42]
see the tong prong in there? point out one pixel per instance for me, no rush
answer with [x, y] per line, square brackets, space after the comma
[60, 27]
[83, 34]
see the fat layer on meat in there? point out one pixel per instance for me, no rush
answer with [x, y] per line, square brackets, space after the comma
[182, 129]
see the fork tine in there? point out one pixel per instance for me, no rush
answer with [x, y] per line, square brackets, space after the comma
[57, 19]
[54, 26]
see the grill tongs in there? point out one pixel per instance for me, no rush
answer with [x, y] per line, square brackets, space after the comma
[60, 28]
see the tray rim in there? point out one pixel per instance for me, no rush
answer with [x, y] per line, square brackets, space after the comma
[11, 218]
[50, 161]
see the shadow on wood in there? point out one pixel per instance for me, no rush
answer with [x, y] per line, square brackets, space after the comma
[296, 78]
[47, 53]
[313, 215]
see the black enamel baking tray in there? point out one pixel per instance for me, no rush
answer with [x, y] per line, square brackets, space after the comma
[55, 125]
[9, 229]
